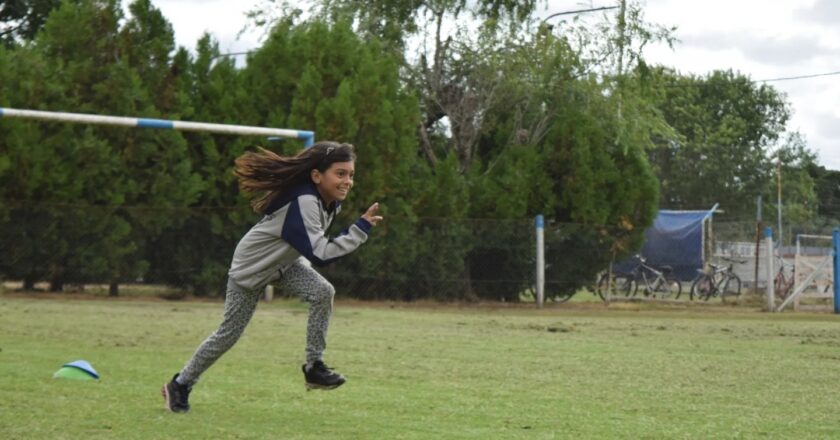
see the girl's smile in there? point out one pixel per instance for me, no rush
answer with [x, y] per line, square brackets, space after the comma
[335, 183]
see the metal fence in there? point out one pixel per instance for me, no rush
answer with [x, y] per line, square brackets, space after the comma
[744, 241]
[190, 249]
[405, 258]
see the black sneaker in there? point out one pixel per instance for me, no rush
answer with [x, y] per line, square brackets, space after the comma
[177, 396]
[320, 377]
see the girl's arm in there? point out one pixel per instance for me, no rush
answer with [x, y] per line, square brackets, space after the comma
[305, 231]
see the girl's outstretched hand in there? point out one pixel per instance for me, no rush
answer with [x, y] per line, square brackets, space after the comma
[371, 216]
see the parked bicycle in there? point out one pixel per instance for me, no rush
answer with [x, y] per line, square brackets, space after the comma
[557, 295]
[783, 284]
[622, 284]
[717, 280]
[656, 281]
[552, 291]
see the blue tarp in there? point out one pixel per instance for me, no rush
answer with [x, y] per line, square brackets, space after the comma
[675, 239]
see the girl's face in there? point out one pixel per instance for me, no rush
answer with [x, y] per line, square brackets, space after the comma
[334, 184]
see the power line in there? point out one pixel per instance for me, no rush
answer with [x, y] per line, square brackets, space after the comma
[791, 78]
[786, 78]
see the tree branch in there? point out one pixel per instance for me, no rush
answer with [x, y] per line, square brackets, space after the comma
[426, 145]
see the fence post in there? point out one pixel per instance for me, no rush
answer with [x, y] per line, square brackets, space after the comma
[757, 241]
[768, 239]
[540, 288]
[836, 241]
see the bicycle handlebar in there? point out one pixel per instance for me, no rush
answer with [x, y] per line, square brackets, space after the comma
[661, 270]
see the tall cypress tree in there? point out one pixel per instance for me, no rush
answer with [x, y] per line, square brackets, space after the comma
[103, 183]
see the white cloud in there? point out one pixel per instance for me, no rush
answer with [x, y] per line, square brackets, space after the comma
[222, 19]
[822, 11]
[768, 50]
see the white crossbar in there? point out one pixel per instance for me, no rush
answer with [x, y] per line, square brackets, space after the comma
[307, 136]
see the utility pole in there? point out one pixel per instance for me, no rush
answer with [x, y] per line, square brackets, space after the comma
[779, 199]
[757, 241]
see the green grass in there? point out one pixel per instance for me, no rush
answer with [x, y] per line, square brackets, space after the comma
[581, 371]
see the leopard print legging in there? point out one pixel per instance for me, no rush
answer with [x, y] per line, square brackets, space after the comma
[240, 304]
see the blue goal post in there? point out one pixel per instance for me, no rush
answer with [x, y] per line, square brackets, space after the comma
[836, 242]
[308, 137]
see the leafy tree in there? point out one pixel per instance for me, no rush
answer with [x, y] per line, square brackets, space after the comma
[799, 199]
[167, 180]
[81, 176]
[728, 127]
[19, 79]
[445, 75]
[146, 43]
[595, 181]
[827, 188]
[394, 22]
[21, 20]
[193, 253]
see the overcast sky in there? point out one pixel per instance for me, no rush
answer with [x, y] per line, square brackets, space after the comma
[764, 39]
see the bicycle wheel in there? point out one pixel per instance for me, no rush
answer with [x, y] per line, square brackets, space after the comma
[702, 287]
[679, 292]
[781, 286]
[675, 286]
[730, 286]
[632, 286]
[601, 288]
[778, 282]
[559, 297]
[622, 285]
[626, 285]
[667, 287]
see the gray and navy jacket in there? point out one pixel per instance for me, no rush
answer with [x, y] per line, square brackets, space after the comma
[295, 225]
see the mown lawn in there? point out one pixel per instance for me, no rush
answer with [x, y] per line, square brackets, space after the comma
[424, 372]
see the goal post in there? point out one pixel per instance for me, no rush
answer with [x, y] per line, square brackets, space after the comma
[308, 137]
[815, 270]
[836, 244]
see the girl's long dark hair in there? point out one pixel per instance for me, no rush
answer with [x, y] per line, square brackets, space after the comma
[266, 175]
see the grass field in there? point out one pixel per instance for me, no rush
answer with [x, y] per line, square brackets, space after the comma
[575, 371]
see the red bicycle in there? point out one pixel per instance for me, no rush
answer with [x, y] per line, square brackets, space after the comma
[782, 284]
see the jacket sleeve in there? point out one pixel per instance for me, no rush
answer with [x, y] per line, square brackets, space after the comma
[305, 231]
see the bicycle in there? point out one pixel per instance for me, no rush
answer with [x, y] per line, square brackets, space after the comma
[559, 296]
[622, 283]
[551, 292]
[718, 280]
[554, 292]
[656, 281]
[782, 285]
